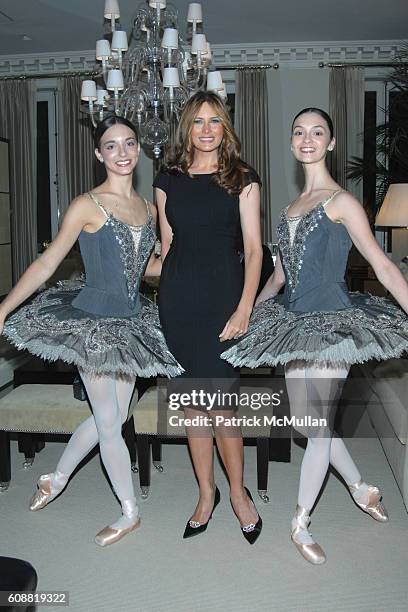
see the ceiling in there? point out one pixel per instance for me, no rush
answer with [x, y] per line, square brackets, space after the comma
[74, 25]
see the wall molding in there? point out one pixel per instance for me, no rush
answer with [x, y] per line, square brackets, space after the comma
[290, 55]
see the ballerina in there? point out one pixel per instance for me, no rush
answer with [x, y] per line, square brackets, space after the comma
[319, 329]
[104, 327]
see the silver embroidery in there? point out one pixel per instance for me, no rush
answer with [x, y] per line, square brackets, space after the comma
[134, 255]
[292, 254]
[51, 328]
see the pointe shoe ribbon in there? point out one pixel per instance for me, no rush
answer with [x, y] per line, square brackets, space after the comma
[312, 552]
[372, 505]
[43, 495]
[109, 535]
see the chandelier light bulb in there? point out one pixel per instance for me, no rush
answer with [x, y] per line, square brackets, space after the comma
[103, 50]
[111, 9]
[119, 41]
[195, 13]
[88, 90]
[115, 80]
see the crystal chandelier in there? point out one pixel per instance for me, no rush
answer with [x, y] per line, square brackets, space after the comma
[148, 76]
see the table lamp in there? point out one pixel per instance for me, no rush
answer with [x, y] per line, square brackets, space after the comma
[394, 213]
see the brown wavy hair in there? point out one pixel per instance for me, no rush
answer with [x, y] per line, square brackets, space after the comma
[232, 171]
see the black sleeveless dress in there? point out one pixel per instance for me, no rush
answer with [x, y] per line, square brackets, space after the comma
[202, 277]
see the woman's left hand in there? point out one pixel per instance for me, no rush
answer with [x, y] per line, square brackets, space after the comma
[236, 325]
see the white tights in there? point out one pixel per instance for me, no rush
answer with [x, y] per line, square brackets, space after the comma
[110, 399]
[314, 390]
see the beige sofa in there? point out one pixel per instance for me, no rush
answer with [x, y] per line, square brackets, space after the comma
[386, 400]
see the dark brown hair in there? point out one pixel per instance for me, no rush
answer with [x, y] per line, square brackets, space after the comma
[107, 123]
[323, 115]
[232, 171]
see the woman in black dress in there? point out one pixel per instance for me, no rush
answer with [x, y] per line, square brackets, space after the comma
[205, 196]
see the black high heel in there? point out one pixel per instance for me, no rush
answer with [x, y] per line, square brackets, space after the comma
[252, 531]
[193, 528]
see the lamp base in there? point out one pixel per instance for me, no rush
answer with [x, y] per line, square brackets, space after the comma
[399, 245]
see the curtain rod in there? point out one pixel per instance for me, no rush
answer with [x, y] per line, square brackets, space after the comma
[362, 64]
[51, 75]
[94, 73]
[248, 67]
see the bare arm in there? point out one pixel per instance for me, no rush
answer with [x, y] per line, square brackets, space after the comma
[249, 207]
[153, 267]
[274, 282]
[166, 232]
[77, 216]
[347, 210]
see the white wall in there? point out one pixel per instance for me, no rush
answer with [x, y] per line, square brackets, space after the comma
[290, 90]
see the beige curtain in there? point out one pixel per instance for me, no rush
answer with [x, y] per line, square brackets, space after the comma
[77, 164]
[18, 122]
[346, 96]
[252, 125]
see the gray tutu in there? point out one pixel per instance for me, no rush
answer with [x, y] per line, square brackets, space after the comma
[52, 328]
[372, 328]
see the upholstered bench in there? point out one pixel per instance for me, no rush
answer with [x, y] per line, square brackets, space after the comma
[156, 423]
[387, 405]
[40, 408]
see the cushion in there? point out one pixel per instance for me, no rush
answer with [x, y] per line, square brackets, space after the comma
[42, 409]
[391, 387]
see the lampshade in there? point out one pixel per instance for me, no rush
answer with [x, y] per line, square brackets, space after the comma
[394, 210]
[115, 80]
[198, 44]
[101, 95]
[170, 38]
[103, 49]
[88, 90]
[111, 9]
[171, 77]
[157, 4]
[119, 41]
[214, 81]
[195, 12]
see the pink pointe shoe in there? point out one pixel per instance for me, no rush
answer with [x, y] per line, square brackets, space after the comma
[372, 500]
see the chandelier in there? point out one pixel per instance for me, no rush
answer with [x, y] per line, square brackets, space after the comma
[149, 75]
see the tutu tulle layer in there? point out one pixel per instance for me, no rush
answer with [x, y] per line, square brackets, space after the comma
[52, 328]
[372, 328]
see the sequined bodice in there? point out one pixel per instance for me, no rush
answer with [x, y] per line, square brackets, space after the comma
[115, 258]
[314, 253]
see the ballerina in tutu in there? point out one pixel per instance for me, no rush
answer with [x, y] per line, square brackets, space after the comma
[319, 329]
[105, 327]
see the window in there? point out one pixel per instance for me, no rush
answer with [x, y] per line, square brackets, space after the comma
[47, 177]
